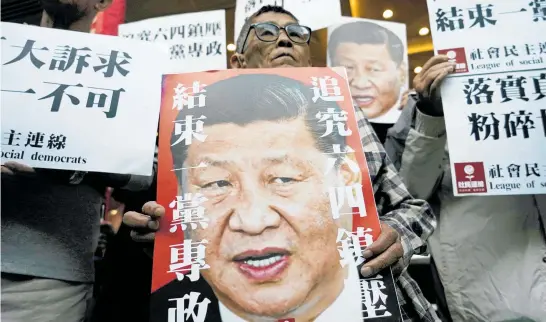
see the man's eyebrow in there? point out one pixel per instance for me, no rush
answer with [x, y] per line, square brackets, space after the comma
[203, 162]
[373, 61]
[284, 158]
[269, 160]
[213, 162]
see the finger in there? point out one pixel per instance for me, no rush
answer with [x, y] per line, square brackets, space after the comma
[140, 221]
[434, 61]
[19, 167]
[439, 78]
[426, 76]
[387, 237]
[385, 259]
[153, 209]
[142, 238]
[423, 84]
[441, 66]
[6, 170]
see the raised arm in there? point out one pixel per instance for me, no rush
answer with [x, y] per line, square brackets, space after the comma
[417, 142]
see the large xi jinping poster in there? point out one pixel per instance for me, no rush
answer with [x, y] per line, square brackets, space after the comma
[269, 200]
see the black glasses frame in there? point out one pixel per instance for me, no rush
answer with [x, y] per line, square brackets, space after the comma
[253, 27]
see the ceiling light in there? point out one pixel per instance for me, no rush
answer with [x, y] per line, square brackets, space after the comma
[424, 31]
[388, 14]
[231, 47]
[418, 69]
[113, 212]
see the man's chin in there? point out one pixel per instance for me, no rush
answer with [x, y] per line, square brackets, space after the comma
[371, 111]
[271, 304]
[264, 300]
[285, 63]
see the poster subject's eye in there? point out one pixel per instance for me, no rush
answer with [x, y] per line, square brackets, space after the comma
[283, 180]
[216, 184]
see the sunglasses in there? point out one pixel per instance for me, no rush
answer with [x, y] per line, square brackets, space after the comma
[270, 32]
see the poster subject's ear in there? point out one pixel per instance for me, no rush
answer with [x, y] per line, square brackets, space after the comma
[102, 5]
[403, 73]
[237, 61]
[350, 170]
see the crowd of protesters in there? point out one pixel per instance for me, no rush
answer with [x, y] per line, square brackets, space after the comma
[488, 253]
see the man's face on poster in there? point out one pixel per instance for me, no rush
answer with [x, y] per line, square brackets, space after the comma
[271, 235]
[375, 79]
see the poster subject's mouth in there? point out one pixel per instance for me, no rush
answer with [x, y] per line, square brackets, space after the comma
[263, 265]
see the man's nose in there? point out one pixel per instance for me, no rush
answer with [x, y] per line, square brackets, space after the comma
[361, 80]
[284, 40]
[254, 215]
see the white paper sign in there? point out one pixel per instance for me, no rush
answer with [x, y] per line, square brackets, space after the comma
[78, 101]
[495, 103]
[375, 54]
[315, 14]
[195, 42]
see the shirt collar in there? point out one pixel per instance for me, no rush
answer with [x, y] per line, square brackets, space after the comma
[347, 307]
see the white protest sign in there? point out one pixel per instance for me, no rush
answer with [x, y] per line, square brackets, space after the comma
[315, 14]
[78, 101]
[194, 41]
[375, 54]
[495, 103]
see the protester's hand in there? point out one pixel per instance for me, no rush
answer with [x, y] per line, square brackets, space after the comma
[383, 252]
[15, 168]
[433, 73]
[106, 232]
[144, 225]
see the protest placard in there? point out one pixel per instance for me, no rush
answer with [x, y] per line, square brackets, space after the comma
[375, 54]
[269, 201]
[195, 41]
[494, 103]
[78, 101]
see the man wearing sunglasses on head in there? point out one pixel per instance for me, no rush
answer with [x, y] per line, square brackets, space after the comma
[273, 38]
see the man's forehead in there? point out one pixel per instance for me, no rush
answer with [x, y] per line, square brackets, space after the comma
[364, 51]
[258, 131]
[279, 18]
[291, 134]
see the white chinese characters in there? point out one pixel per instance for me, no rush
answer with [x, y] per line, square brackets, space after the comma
[188, 212]
[327, 89]
[351, 196]
[352, 244]
[373, 298]
[188, 257]
[189, 97]
[186, 308]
